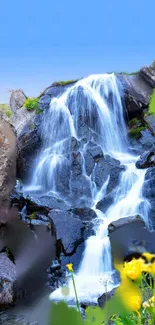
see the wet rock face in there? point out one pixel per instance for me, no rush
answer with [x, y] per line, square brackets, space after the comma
[149, 194]
[7, 281]
[146, 160]
[106, 296]
[125, 221]
[105, 167]
[148, 74]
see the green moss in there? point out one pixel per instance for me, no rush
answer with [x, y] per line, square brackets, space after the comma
[6, 109]
[136, 132]
[33, 215]
[152, 104]
[64, 82]
[31, 104]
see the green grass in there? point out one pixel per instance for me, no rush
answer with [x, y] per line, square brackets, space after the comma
[152, 104]
[31, 104]
[64, 82]
[136, 132]
[6, 109]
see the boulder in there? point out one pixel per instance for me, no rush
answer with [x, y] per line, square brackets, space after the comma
[124, 221]
[146, 160]
[105, 167]
[7, 166]
[44, 102]
[29, 143]
[106, 296]
[7, 281]
[6, 319]
[150, 122]
[136, 93]
[17, 100]
[148, 74]
[68, 228]
[105, 203]
[149, 194]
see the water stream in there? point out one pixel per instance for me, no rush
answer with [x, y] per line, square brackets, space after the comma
[96, 99]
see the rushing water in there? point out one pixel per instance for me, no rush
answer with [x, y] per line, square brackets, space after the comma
[97, 100]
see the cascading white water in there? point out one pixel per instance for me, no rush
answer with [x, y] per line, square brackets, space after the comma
[97, 100]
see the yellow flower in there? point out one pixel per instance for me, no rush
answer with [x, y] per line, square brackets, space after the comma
[130, 294]
[133, 269]
[70, 267]
[148, 256]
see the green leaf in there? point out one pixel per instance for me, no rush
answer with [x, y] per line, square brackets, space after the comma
[61, 314]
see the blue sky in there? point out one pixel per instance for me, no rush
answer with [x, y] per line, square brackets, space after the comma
[42, 41]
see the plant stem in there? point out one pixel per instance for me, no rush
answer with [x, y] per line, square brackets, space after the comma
[77, 302]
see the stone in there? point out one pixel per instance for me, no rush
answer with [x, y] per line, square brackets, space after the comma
[105, 203]
[17, 100]
[105, 167]
[44, 102]
[8, 152]
[124, 221]
[68, 228]
[146, 160]
[149, 194]
[106, 296]
[29, 142]
[150, 122]
[7, 281]
[21, 118]
[148, 74]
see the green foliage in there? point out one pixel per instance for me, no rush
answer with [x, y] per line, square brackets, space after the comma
[136, 132]
[32, 126]
[64, 82]
[6, 109]
[33, 215]
[152, 104]
[31, 104]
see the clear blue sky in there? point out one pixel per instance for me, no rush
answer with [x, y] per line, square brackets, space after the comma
[46, 40]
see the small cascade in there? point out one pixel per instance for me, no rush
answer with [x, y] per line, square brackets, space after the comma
[90, 108]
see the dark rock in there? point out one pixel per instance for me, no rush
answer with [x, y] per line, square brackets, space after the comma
[147, 140]
[85, 214]
[89, 163]
[69, 230]
[128, 239]
[105, 203]
[80, 194]
[124, 221]
[106, 296]
[55, 91]
[76, 163]
[150, 122]
[6, 319]
[95, 150]
[148, 74]
[17, 100]
[7, 281]
[149, 194]
[137, 89]
[105, 167]
[146, 160]
[75, 258]
[8, 151]
[29, 143]
[44, 102]
[50, 202]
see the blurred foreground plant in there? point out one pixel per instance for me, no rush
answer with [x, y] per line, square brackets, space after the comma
[133, 302]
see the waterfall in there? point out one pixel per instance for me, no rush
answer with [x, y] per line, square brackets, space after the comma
[97, 101]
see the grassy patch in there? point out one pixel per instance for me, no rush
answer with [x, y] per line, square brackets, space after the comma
[31, 104]
[64, 82]
[136, 126]
[136, 132]
[6, 109]
[152, 104]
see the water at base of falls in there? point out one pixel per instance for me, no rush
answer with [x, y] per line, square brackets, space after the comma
[97, 100]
